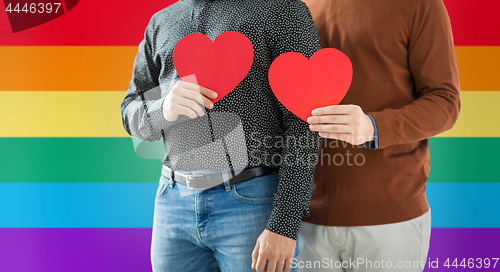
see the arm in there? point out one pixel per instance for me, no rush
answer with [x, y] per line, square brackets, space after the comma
[141, 109]
[431, 53]
[291, 202]
[296, 176]
[434, 69]
[145, 113]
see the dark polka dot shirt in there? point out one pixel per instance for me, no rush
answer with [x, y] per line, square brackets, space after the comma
[249, 120]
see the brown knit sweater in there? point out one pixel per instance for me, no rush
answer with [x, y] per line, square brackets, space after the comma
[406, 77]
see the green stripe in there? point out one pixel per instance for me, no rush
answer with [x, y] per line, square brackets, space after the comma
[114, 160]
[74, 160]
[464, 160]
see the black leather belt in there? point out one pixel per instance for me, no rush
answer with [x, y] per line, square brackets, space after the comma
[200, 180]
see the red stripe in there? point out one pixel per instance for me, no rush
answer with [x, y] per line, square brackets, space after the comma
[90, 22]
[475, 22]
[115, 22]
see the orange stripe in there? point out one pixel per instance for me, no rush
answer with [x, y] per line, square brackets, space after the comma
[96, 68]
[66, 67]
[479, 67]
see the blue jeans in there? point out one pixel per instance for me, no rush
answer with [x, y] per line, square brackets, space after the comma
[210, 230]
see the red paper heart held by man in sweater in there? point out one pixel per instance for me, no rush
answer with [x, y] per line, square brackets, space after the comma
[302, 85]
[219, 65]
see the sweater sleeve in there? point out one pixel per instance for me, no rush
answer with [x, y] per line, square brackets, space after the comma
[296, 33]
[141, 110]
[432, 63]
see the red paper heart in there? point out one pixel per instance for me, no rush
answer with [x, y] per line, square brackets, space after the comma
[219, 65]
[25, 14]
[302, 85]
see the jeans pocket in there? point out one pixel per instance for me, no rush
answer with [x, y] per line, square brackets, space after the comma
[257, 190]
[162, 187]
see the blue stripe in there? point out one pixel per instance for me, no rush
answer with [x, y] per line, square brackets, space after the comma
[464, 205]
[77, 205]
[130, 205]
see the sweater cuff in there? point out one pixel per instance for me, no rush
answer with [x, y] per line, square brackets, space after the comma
[373, 144]
[285, 221]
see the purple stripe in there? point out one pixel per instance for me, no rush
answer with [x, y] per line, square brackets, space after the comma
[460, 244]
[127, 249]
[75, 250]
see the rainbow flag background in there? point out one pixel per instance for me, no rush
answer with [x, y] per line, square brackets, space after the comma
[75, 197]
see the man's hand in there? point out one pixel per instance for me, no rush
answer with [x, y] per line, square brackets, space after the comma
[343, 122]
[275, 250]
[186, 99]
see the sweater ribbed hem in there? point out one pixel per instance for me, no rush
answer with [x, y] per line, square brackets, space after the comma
[367, 214]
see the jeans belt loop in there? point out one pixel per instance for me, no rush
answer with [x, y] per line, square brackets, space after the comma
[227, 184]
[171, 182]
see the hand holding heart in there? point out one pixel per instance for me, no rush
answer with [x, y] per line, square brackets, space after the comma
[185, 99]
[343, 122]
[202, 64]
[219, 65]
[302, 84]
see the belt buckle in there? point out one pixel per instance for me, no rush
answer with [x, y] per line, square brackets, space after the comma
[189, 178]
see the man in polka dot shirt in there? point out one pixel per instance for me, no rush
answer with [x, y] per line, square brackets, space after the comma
[252, 224]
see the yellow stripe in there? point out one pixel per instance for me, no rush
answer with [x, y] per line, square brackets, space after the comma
[61, 114]
[97, 114]
[479, 67]
[54, 68]
[478, 117]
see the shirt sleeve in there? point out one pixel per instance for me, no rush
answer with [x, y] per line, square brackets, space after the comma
[296, 33]
[433, 65]
[373, 144]
[141, 110]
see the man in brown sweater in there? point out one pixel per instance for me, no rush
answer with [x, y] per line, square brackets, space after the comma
[369, 209]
